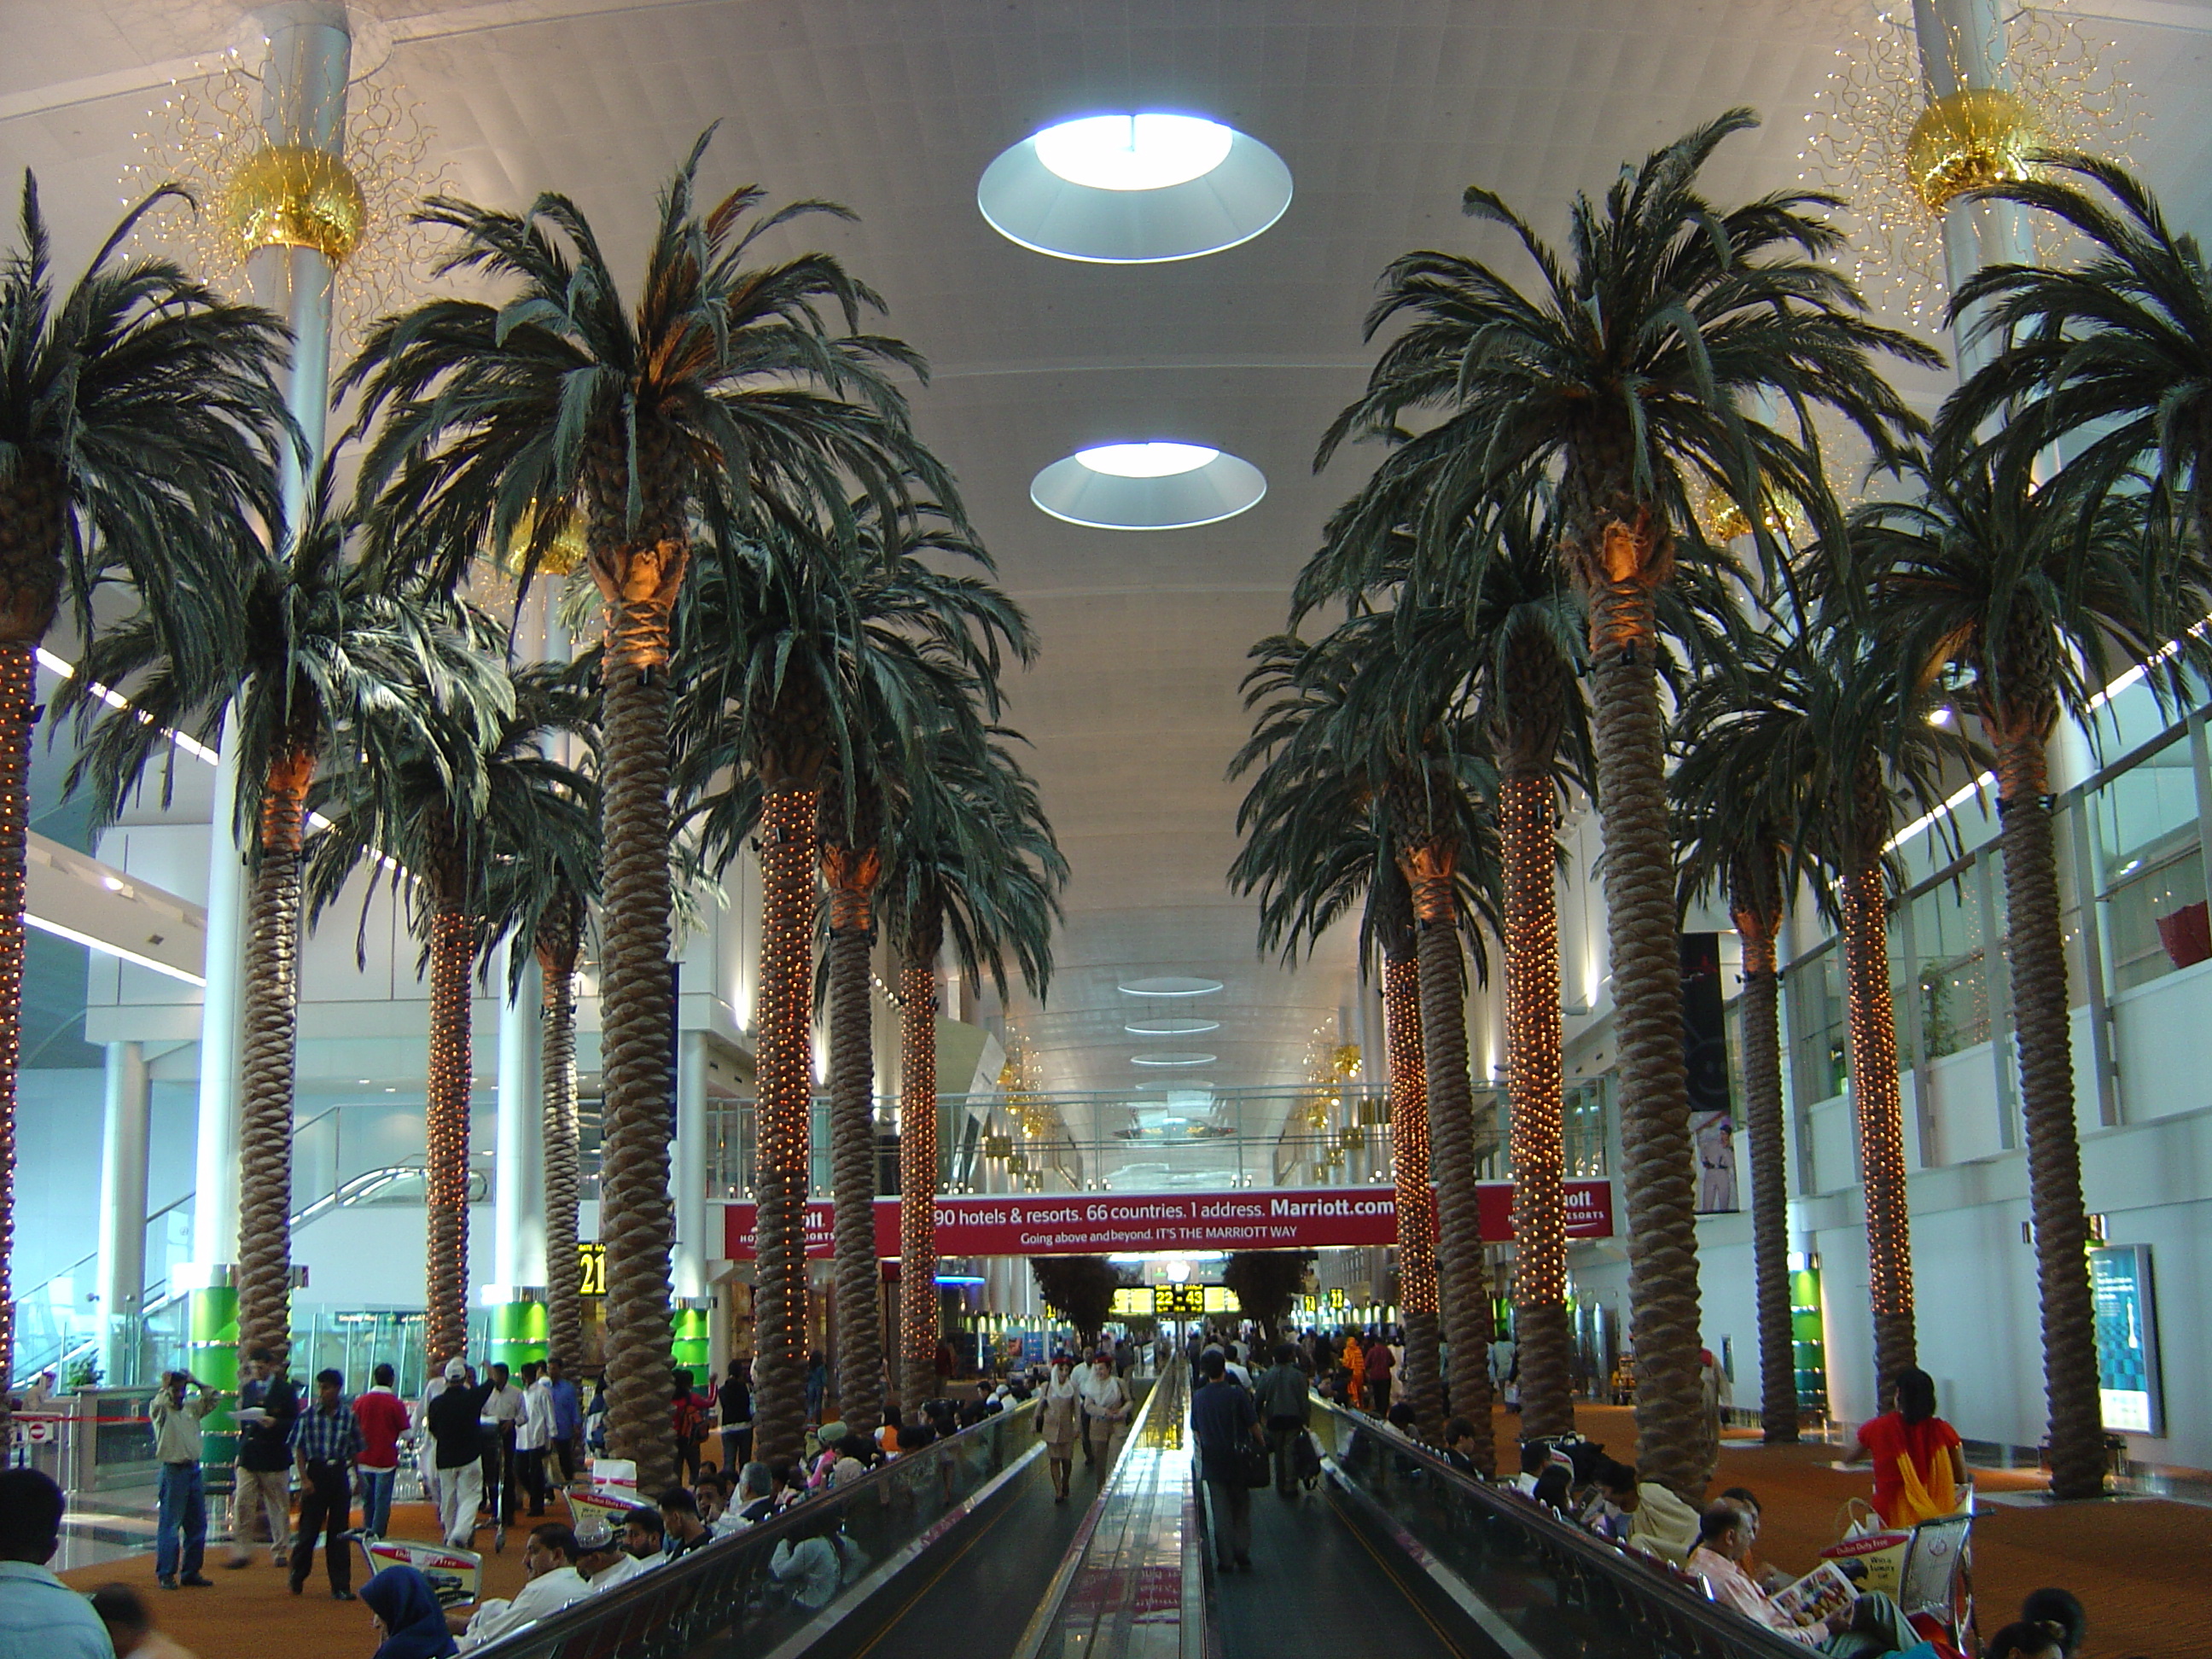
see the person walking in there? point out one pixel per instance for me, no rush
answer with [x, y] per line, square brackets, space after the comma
[383, 1419]
[1286, 1403]
[458, 1437]
[1380, 1365]
[817, 1385]
[267, 1404]
[733, 1407]
[501, 1421]
[325, 1440]
[1221, 1420]
[689, 1418]
[181, 1505]
[535, 1436]
[1060, 1416]
[1105, 1413]
[568, 1417]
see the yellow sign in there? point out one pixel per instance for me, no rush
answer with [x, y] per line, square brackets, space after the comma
[1336, 1296]
[1178, 1301]
[1133, 1302]
[591, 1269]
[1220, 1299]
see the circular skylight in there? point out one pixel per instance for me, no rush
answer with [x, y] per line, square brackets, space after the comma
[1171, 1027]
[1135, 189]
[1148, 460]
[1168, 985]
[1134, 152]
[1152, 485]
[1181, 1057]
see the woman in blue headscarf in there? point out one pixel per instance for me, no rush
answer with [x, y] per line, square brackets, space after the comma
[412, 1623]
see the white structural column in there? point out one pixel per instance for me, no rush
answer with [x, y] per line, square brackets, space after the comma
[518, 1174]
[687, 1171]
[122, 1208]
[1962, 50]
[303, 104]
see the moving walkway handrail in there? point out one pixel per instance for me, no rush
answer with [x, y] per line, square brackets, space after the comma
[724, 1592]
[1611, 1604]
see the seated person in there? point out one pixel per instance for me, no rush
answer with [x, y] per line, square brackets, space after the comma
[130, 1627]
[713, 1504]
[601, 1561]
[1459, 1445]
[2059, 1607]
[645, 1535]
[2026, 1641]
[913, 1436]
[1400, 1421]
[887, 1433]
[1644, 1516]
[756, 1499]
[551, 1583]
[817, 1559]
[682, 1530]
[1554, 1489]
[1768, 1578]
[1723, 1541]
[1877, 1628]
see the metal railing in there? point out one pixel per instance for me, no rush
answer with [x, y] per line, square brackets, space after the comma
[1133, 1580]
[1534, 1583]
[728, 1597]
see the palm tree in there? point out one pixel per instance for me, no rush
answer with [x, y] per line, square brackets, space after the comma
[2107, 359]
[1734, 833]
[799, 651]
[441, 821]
[139, 423]
[313, 644]
[1623, 375]
[852, 864]
[1830, 745]
[1337, 796]
[724, 396]
[2038, 607]
[969, 864]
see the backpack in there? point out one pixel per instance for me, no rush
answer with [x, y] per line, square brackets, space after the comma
[691, 1417]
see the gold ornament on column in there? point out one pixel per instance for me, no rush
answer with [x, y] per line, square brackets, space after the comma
[295, 195]
[1900, 159]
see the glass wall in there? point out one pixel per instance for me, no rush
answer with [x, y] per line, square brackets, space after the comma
[2147, 863]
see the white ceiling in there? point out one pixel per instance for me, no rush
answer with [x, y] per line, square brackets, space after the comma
[1383, 110]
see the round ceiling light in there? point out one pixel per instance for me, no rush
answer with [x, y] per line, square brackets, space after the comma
[1171, 1027]
[1135, 189]
[1168, 985]
[1179, 1057]
[1154, 485]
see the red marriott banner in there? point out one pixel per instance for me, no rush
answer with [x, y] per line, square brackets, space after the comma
[1111, 1223]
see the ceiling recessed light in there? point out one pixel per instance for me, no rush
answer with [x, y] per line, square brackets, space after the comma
[1146, 460]
[1171, 1027]
[1135, 189]
[1153, 485]
[1149, 151]
[1168, 985]
[1179, 1058]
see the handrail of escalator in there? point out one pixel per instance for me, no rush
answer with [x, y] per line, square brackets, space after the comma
[1540, 1583]
[1133, 1568]
[726, 1594]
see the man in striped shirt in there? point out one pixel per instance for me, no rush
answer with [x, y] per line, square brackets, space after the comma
[325, 1439]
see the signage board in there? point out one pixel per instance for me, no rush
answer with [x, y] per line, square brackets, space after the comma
[1108, 1224]
[456, 1576]
[591, 1269]
[1178, 1301]
[2127, 1338]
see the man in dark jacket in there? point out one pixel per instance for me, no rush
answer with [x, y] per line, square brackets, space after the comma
[267, 1403]
[1284, 1402]
[453, 1418]
[1222, 1419]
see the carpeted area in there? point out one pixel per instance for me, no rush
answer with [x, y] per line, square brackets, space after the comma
[253, 1611]
[2138, 1566]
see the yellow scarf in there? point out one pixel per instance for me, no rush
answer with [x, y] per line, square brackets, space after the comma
[1931, 1501]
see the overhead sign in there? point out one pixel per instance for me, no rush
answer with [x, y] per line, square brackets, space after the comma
[1178, 1301]
[591, 1269]
[1086, 1223]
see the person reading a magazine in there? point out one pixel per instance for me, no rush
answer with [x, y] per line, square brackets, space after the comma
[1724, 1541]
[1919, 1470]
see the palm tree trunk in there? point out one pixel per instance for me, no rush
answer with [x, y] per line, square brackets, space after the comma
[1658, 1161]
[453, 959]
[637, 1221]
[1541, 1339]
[558, 944]
[19, 681]
[272, 1020]
[2042, 1025]
[1417, 1221]
[784, 1089]
[918, 1321]
[1464, 1272]
[852, 1137]
[1770, 1188]
[1881, 1119]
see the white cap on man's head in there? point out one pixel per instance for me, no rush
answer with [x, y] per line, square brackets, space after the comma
[456, 1369]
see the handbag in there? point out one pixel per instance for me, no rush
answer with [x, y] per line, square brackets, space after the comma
[1253, 1465]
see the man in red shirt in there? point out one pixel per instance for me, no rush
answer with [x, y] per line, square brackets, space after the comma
[383, 1419]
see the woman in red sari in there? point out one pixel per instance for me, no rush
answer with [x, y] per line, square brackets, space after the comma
[1919, 1471]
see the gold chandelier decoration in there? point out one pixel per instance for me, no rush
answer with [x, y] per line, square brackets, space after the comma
[1899, 158]
[356, 208]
